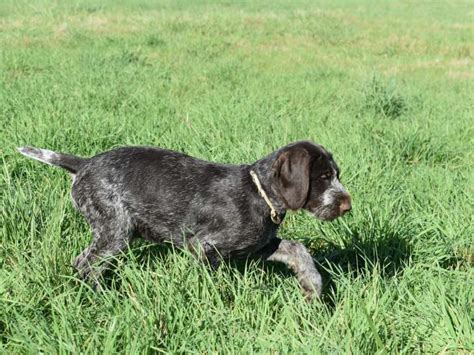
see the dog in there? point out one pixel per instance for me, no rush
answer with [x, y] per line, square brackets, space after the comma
[217, 211]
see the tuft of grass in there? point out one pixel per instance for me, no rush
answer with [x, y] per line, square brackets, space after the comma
[230, 82]
[417, 147]
[384, 98]
[155, 40]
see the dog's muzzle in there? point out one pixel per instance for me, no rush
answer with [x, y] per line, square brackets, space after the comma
[333, 203]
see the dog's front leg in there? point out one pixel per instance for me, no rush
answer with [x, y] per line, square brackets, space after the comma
[295, 255]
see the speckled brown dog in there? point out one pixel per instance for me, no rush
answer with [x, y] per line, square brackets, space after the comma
[218, 211]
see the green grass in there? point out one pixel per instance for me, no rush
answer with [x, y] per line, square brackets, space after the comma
[386, 86]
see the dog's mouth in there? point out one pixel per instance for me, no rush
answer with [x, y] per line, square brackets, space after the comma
[328, 218]
[325, 214]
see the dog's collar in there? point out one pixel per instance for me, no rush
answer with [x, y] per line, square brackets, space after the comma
[273, 214]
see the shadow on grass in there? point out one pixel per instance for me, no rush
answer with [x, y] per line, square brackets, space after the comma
[358, 255]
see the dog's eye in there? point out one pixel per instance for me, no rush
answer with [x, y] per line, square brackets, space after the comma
[326, 176]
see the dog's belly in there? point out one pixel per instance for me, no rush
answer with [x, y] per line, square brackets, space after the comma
[235, 243]
[160, 228]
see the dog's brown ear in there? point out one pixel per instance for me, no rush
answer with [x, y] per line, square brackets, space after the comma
[292, 172]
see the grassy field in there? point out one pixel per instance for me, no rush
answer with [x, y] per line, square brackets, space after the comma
[386, 86]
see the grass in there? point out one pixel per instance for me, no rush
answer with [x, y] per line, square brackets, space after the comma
[386, 86]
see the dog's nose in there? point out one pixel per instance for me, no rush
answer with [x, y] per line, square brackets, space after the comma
[345, 205]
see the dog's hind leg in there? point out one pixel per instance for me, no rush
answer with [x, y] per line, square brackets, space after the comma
[203, 252]
[112, 230]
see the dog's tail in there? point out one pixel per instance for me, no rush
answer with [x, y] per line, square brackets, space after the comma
[66, 161]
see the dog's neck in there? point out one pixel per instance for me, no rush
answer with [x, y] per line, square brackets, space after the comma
[274, 215]
[262, 170]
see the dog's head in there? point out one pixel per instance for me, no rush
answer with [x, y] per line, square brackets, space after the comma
[306, 176]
